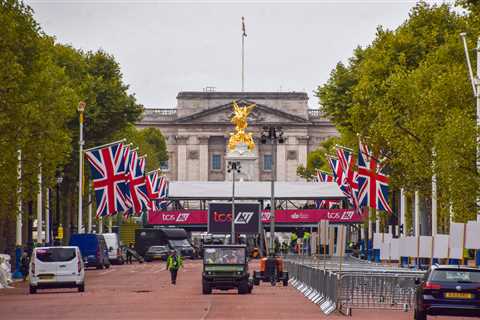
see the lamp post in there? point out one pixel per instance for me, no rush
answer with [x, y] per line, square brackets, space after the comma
[81, 109]
[57, 202]
[272, 135]
[233, 166]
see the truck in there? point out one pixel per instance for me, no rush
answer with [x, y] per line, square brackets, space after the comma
[175, 238]
[226, 267]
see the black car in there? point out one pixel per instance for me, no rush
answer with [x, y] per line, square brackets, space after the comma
[156, 252]
[226, 267]
[448, 290]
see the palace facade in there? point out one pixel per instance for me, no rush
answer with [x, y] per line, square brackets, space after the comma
[198, 129]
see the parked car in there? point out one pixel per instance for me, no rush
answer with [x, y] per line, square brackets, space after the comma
[448, 290]
[56, 267]
[93, 248]
[157, 252]
[115, 253]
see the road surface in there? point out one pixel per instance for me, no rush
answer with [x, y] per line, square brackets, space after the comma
[143, 291]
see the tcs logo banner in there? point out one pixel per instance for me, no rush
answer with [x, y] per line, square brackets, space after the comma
[247, 218]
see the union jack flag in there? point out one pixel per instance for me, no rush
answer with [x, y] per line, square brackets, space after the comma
[373, 183]
[347, 160]
[108, 172]
[157, 187]
[138, 188]
[323, 176]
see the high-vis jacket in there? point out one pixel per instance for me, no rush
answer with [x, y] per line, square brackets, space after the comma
[174, 262]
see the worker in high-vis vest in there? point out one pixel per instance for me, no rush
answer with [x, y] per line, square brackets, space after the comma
[293, 241]
[174, 262]
[306, 242]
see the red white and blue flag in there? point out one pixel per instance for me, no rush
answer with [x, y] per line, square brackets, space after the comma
[372, 182]
[157, 187]
[347, 162]
[323, 176]
[108, 173]
[137, 186]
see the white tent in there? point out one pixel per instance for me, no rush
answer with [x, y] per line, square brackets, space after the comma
[222, 190]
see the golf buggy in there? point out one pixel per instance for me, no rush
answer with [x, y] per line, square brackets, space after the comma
[225, 267]
[271, 270]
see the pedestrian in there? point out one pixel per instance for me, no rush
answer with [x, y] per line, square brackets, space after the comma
[174, 263]
[293, 241]
[129, 253]
[306, 243]
[24, 264]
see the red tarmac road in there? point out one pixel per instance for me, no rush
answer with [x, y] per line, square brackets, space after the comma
[143, 291]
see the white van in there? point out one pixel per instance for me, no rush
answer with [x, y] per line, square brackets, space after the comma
[115, 253]
[56, 267]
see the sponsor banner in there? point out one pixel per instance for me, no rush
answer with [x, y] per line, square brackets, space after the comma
[282, 216]
[247, 217]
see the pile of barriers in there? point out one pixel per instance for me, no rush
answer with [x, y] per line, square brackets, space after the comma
[349, 283]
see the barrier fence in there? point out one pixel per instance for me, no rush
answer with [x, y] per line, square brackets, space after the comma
[344, 284]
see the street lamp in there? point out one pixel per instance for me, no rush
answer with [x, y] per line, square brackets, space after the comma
[233, 166]
[272, 135]
[80, 109]
[59, 182]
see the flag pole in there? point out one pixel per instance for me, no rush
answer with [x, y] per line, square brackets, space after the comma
[243, 53]
[106, 145]
[476, 93]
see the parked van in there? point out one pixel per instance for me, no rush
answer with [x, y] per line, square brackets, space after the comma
[56, 267]
[115, 253]
[174, 238]
[93, 248]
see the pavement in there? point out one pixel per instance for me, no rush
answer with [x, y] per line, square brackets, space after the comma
[143, 291]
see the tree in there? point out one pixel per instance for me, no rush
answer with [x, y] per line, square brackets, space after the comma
[33, 113]
[407, 94]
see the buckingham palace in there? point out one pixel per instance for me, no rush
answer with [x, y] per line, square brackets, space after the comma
[198, 129]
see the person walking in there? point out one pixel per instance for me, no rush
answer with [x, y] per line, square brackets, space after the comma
[174, 263]
[293, 241]
[24, 264]
[306, 242]
[129, 253]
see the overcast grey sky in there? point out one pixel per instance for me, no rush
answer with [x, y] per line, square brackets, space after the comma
[166, 47]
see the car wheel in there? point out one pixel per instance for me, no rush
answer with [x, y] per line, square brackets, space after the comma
[81, 288]
[206, 288]
[285, 282]
[419, 315]
[243, 287]
[33, 290]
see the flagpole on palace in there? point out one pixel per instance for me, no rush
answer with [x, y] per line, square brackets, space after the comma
[81, 109]
[243, 54]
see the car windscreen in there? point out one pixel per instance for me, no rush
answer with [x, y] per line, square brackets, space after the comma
[179, 243]
[455, 276]
[55, 254]
[224, 256]
[158, 248]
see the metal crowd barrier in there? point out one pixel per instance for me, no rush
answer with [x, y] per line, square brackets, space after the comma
[349, 283]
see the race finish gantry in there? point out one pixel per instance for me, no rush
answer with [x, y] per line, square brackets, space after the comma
[188, 203]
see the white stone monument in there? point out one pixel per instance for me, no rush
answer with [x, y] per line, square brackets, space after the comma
[248, 163]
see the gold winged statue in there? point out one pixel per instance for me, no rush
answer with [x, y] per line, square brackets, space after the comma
[239, 119]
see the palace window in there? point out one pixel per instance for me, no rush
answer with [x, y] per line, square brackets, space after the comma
[164, 165]
[267, 162]
[216, 162]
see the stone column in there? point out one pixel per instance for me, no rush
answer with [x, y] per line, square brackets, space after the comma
[182, 157]
[302, 151]
[203, 158]
[281, 162]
